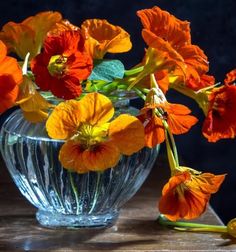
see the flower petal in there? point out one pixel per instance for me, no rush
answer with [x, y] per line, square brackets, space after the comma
[178, 118]
[186, 195]
[127, 133]
[195, 59]
[161, 24]
[9, 93]
[62, 65]
[10, 78]
[102, 37]
[188, 204]
[220, 121]
[230, 77]
[29, 35]
[35, 116]
[154, 132]
[41, 23]
[64, 120]
[71, 157]
[208, 182]
[96, 109]
[101, 157]
[196, 84]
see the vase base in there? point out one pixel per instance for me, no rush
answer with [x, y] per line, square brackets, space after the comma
[57, 220]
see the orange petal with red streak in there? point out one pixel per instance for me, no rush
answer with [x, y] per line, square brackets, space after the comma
[71, 157]
[101, 157]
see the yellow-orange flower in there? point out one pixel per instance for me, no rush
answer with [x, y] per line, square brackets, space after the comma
[187, 193]
[10, 78]
[102, 37]
[34, 106]
[93, 143]
[29, 35]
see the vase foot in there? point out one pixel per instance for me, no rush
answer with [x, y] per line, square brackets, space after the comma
[57, 220]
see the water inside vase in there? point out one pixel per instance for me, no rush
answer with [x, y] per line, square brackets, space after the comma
[32, 160]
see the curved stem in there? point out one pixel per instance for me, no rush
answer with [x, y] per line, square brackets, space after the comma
[139, 93]
[75, 191]
[191, 226]
[96, 192]
[173, 145]
[133, 71]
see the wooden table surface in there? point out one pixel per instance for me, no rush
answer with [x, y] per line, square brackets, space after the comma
[136, 229]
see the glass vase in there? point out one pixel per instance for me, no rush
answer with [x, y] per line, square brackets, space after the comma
[64, 198]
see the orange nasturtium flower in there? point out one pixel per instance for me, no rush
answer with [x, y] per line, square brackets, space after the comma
[159, 59]
[63, 64]
[102, 37]
[10, 78]
[29, 35]
[220, 121]
[161, 28]
[159, 23]
[187, 193]
[93, 142]
[176, 115]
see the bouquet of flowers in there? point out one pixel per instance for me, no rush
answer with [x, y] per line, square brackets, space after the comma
[57, 58]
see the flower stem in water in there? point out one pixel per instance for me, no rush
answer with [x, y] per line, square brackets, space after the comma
[75, 191]
[96, 192]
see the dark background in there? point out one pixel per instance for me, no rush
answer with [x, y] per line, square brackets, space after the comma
[213, 25]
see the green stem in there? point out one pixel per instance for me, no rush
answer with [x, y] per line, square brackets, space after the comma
[133, 71]
[139, 93]
[145, 90]
[191, 226]
[96, 192]
[171, 159]
[75, 191]
[173, 145]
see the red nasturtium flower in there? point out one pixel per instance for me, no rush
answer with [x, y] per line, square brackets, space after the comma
[93, 142]
[220, 121]
[102, 37]
[28, 36]
[176, 115]
[187, 193]
[162, 29]
[10, 78]
[63, 64]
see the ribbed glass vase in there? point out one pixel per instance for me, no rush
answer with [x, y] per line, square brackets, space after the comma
[64, 198]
